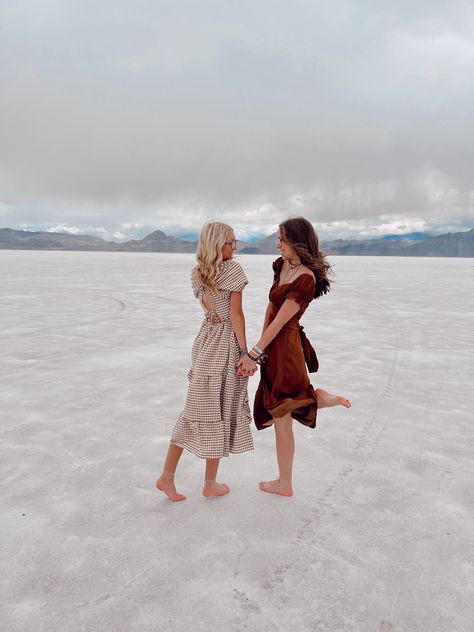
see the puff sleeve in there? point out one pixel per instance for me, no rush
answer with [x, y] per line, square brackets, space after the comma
[277, 266]
[302, 289]
[233, 277]
[195, 283]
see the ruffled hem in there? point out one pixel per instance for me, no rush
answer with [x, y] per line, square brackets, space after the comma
[303, 408]
[214, 456]
[216, 439]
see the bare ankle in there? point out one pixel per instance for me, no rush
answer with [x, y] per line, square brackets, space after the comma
[212, 488]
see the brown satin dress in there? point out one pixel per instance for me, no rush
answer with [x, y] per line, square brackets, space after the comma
[284, 383]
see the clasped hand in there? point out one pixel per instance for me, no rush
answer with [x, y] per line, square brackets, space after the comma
[246, 366]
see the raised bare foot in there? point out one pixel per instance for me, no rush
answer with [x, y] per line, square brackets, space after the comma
[166, 485]
[211, 488]
[275, 487]
[326, 400]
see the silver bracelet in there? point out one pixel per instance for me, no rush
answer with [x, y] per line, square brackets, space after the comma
[257, 350]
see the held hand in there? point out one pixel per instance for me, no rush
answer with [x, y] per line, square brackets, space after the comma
[246, 366]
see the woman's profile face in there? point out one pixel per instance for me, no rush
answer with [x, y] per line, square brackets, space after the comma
[286, 251]
[230, 246]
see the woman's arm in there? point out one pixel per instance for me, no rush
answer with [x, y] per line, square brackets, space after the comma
[289, 308]
[237, 318]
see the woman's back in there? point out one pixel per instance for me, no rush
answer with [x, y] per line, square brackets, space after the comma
[230, 278]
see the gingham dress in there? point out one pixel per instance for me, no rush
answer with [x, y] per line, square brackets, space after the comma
[216, 417]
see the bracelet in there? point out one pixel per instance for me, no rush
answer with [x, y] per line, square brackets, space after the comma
[243, 350]
[261, 359]
[257, 350]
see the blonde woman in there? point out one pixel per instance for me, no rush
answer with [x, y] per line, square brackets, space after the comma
[216, 417]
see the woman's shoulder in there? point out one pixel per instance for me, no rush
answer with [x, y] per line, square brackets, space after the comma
[277, 264]
[195, 274]
[302, 288]
[231, 276]
[305, 276]
[196, 282]
[304, 284]
[229, 264]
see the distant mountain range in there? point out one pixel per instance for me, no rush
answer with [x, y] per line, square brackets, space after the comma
[156, 241]
[409, 245]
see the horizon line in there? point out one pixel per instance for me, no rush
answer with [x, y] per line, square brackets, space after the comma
[428, 233]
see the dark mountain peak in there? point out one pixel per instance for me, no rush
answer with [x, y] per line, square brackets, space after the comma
[156, 235]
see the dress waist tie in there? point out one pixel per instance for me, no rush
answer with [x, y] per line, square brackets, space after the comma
[310, 356]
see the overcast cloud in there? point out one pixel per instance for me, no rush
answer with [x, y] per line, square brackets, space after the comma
[118, 118]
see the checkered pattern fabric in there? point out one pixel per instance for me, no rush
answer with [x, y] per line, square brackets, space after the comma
[216, 417]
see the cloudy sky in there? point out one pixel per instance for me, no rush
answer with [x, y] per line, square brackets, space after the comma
[119, 118]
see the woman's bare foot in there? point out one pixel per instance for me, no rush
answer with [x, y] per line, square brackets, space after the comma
[326, 400]
[276, 487]
[211, 488]
[166, 485]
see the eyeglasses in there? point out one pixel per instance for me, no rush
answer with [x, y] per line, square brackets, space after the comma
[279, 241]
[233, 242]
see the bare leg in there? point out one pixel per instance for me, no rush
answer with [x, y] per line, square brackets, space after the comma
[285, 449]
[166, 481]
[211, 487]
[326, 400]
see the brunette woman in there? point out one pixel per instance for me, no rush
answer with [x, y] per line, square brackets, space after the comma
[284, 392]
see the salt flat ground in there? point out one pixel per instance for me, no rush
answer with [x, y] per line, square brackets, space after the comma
[379, 534]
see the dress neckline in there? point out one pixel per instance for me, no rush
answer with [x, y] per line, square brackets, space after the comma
[290, 283]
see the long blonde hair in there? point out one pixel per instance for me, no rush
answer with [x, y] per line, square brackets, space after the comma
[209, 252]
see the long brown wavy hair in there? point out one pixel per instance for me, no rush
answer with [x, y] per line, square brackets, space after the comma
[299, 233]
